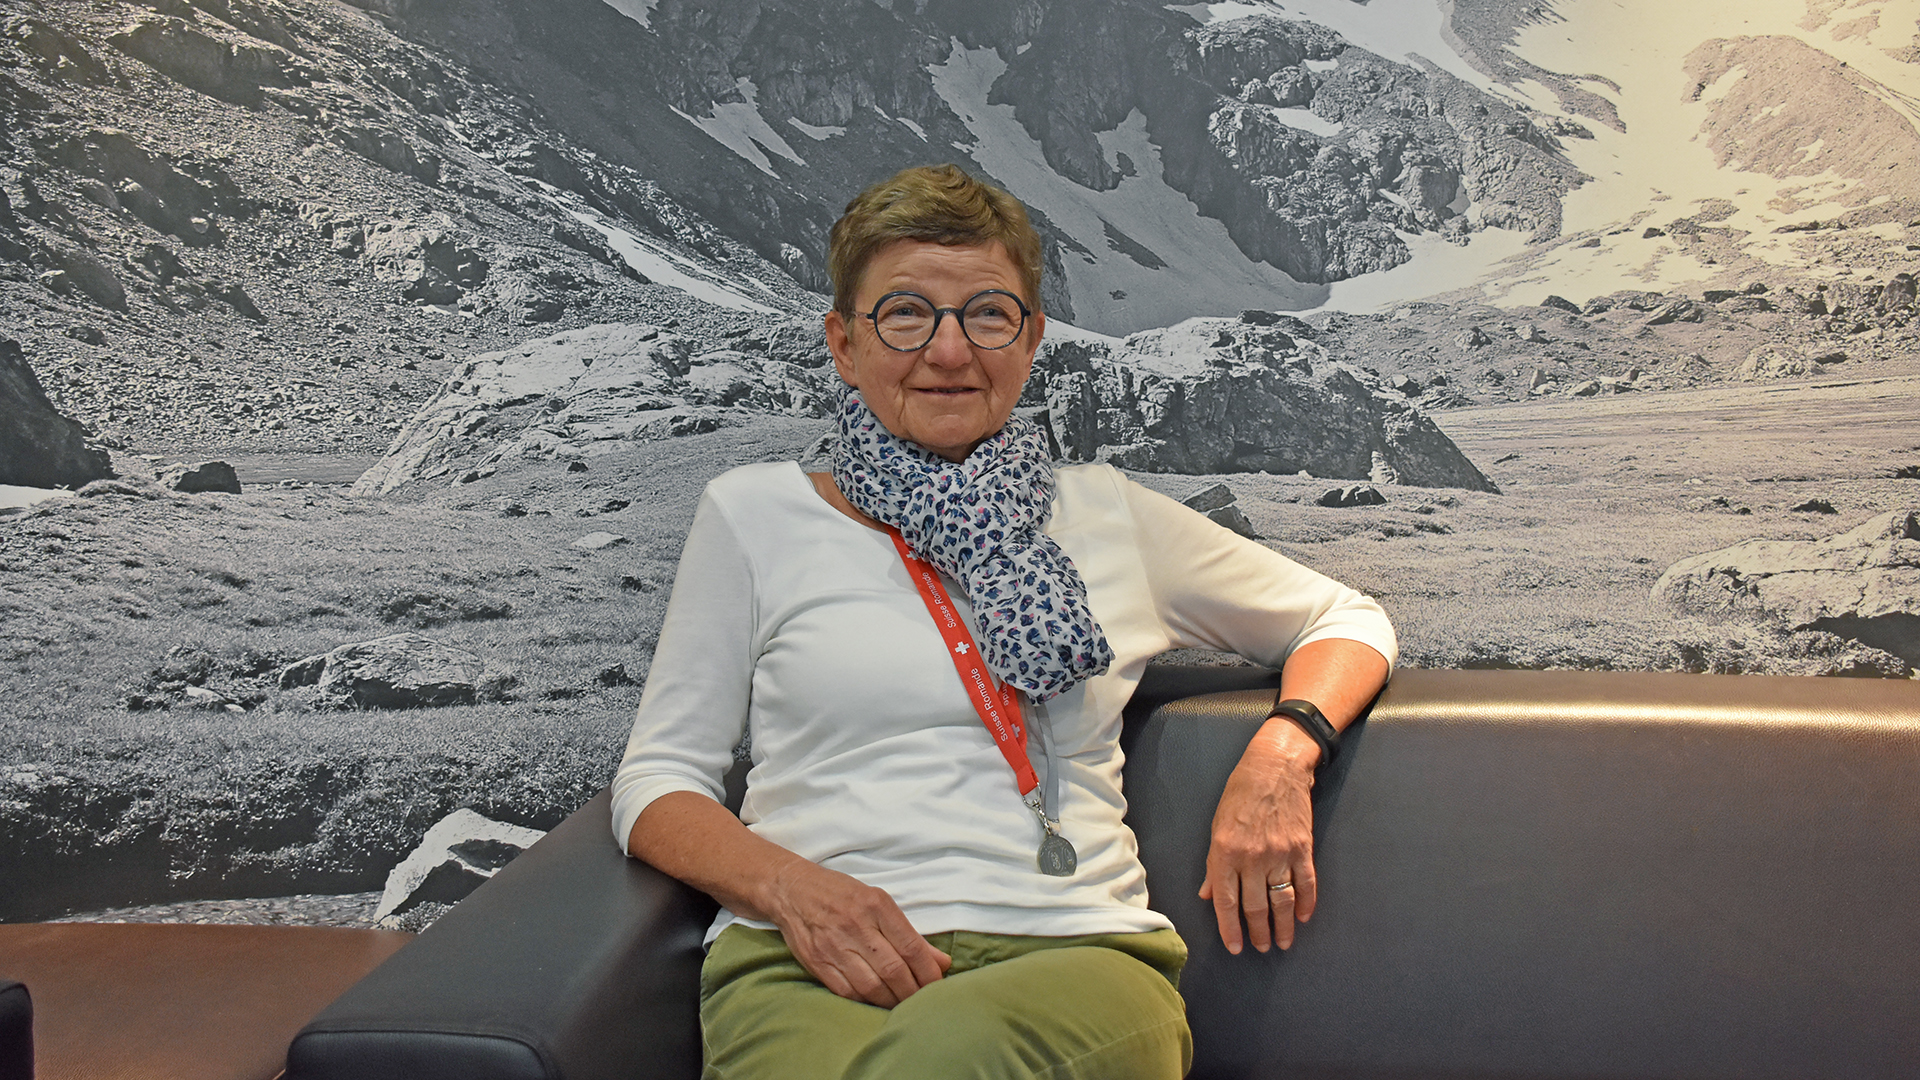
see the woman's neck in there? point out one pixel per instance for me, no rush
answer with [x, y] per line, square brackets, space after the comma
[830, 491]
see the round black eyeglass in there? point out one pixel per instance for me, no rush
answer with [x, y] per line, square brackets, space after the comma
[906, 321]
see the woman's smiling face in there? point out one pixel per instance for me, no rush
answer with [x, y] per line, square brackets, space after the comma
[950, 394]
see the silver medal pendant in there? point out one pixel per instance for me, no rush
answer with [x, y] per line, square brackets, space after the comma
[1057, 857]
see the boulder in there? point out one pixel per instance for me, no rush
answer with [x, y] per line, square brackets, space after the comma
[203, 476]
[1230, 517]
[1862, 584]
[227, 65]
[598, 541]
[1073, 413]
[389, 150]
[1225, 396]
[423, 259]
[565, 395]
[1681, 310]
[76, 269]
[1354, 495]
[1207, 500]
[398, 671]
[456, 856]
[38, 446]
[1776, 362]
[1899, 294]
[147, 185]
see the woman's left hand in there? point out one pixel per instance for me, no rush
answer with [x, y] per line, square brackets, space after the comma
[1262, 838]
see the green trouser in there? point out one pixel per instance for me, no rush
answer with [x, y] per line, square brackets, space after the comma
[1099, 1007]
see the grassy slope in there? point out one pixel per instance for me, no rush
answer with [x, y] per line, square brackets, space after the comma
[102, 598]
[108, 598]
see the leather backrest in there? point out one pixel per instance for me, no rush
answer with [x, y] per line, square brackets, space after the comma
[1568, 874]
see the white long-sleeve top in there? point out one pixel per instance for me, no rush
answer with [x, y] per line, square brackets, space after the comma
[794, 622]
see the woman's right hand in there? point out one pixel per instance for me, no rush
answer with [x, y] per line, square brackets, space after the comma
[851, 936]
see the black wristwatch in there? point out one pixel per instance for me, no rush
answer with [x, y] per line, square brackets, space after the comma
[1307, 715]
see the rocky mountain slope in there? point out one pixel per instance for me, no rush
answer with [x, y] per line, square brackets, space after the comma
[258, 226]
[1180, 166]
[272, 226]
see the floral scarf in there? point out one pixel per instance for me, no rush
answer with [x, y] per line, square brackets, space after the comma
[979, 522]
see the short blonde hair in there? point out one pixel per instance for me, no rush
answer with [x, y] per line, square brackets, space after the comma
[938, 204]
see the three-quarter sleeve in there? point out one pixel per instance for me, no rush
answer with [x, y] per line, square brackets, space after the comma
[694, 710]
[1219, 590]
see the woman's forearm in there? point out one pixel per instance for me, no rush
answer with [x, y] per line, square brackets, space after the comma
[1340, 676]
[691, 837]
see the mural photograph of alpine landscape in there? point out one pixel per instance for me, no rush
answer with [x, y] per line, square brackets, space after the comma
[361, 362]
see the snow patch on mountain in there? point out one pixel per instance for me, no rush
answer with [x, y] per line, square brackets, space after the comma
[738, 126]
[1306, 120]
[1672, 161]
[908, 124]
[1438, 266]
[1406, 30]
[817, 134]
[664, 267]
[1180, 263]
[640, 11]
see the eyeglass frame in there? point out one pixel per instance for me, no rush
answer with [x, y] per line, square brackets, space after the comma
[959, 314]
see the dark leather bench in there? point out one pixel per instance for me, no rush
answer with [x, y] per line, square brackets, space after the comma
[1523, 874]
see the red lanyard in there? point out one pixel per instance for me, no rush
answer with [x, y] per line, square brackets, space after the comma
[999, 708]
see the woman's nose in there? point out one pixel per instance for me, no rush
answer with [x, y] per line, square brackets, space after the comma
[950, 347]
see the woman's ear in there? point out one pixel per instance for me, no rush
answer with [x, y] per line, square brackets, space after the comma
[841, 346]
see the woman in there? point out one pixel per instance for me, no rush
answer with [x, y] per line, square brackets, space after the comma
[909, 891]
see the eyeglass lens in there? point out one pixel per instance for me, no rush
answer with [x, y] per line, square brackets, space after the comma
[908, 321]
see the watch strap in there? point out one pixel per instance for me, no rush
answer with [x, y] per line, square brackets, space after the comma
[1307, 716]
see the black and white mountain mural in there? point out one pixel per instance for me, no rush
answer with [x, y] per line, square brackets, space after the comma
[1580, 332]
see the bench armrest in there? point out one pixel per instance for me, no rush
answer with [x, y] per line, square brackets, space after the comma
[574, 961]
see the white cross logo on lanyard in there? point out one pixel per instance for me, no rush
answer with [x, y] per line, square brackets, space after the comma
[961, 648]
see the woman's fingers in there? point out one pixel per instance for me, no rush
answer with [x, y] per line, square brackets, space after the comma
[879, 979]
[856, 940]
[1285, 904]
[1226, 910]
[1306, 889]
[1251, 911]
[926, 962]
[1269, 913]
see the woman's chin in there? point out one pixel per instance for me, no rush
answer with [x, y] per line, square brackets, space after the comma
[947, 433]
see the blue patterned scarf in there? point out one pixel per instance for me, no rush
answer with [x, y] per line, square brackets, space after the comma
[979, 522]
